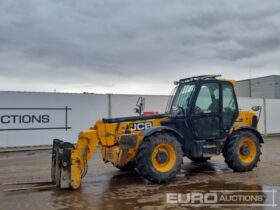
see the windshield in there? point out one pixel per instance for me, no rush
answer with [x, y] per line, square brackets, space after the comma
[181, 99]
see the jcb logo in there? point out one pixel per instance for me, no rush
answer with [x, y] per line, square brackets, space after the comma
[141, 126]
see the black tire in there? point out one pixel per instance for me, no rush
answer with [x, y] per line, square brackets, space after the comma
[232, 151]
[144, 162]
[199, 159]
[130, 166]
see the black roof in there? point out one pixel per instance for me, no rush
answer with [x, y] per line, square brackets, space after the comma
[201, 77]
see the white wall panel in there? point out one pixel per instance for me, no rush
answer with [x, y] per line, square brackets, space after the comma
[85, 110]
[273, 116]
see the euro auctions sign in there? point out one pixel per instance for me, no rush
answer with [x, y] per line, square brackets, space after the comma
[34, 118]
[224, 198]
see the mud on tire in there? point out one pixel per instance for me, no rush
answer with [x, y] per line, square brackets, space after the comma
[145, 157]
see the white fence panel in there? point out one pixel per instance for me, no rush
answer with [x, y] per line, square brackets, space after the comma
[272, 116]
[26, 127]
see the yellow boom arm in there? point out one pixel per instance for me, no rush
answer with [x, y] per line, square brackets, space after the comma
[87, 142]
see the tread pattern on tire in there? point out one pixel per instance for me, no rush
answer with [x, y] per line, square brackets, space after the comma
[230, 152]
[144, 153]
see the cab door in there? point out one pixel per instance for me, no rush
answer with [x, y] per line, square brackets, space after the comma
[206, 116]
[229, 108]
[214, 111]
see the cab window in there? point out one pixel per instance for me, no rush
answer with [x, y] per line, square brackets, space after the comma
[208, 99]
[182, 99]
[229, 105]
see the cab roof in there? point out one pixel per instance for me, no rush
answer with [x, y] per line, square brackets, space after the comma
[203, 77]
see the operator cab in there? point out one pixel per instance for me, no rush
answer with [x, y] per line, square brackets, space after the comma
[203, 109]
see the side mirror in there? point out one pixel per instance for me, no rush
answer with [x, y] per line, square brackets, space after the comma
[256, 108]
[176, 83]
[140, 105]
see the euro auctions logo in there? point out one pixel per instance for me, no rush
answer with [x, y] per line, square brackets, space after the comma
[34, 118]
[192, 198]
[223, 198]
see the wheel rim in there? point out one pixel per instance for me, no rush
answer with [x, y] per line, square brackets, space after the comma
[247, 150]
[163, 157]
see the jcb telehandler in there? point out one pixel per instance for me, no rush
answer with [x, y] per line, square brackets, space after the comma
[202, 120]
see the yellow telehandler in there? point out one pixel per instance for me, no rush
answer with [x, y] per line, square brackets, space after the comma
[202, 120]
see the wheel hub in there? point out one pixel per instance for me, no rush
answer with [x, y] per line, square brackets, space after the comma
[245, 150]
[161, 157]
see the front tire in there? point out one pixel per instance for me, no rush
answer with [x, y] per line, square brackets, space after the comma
[159, 157]
[242, 152]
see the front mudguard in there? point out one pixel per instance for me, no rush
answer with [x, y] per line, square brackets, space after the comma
[152, 130]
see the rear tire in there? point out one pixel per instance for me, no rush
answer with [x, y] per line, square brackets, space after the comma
[242, 151]
[159, 157]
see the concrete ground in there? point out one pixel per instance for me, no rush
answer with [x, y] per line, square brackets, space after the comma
[105, 187]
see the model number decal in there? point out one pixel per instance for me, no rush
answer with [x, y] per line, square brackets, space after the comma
[141, 126]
